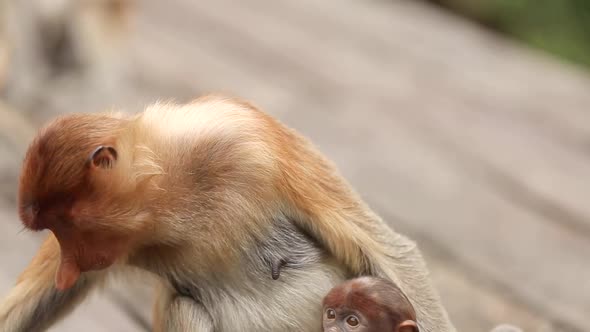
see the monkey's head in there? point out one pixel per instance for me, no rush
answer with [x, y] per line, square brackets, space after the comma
[75, 181]
[368, 304]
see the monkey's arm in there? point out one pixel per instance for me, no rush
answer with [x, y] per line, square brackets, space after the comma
[34, 304]
[330, 211]
[173, 312]
[408, 265]
[369, 246]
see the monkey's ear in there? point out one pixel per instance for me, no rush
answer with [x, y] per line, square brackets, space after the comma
[407, 326]
[103, 157]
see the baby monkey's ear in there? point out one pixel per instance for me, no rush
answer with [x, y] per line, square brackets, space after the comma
[407, 326]
[103, 157]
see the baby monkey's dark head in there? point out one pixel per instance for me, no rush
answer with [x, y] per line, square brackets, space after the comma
[368, 304]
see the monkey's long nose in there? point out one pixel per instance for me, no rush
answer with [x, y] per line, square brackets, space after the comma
[67, 273]
[69, 270]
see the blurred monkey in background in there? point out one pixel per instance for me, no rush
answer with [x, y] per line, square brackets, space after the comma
[44, 40]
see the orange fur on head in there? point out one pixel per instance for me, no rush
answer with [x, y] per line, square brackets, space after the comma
[64, 183]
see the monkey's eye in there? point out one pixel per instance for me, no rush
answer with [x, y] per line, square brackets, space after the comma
[330, 314]
[34, 206]
[352, 321]
[31, 208]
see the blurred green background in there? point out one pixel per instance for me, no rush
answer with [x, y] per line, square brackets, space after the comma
[561, 27]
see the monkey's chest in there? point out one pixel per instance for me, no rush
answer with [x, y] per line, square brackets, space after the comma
[291, 303]
[250, 298]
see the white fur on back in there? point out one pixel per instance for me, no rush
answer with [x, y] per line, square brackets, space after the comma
[211, 117]
[173, 130]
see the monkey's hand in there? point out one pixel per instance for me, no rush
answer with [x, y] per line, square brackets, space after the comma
[184, 314]
[174, 312]
[34, 304]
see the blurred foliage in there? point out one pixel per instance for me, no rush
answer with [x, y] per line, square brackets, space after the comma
[561, 27]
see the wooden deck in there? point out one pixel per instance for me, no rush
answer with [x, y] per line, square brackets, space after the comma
[475, 147]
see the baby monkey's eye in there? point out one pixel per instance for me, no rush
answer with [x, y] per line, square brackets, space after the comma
[352, 321]
[330, 314]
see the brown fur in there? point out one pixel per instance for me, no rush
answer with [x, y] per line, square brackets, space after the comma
[191, 188]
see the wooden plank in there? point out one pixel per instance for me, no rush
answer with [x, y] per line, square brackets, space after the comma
[526, 165]
[15, 133]
[452, 53]
[8, 173]
[201, 62]
[461, 291]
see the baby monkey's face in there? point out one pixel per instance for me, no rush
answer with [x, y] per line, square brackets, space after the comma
[368, 304]
[343, 319]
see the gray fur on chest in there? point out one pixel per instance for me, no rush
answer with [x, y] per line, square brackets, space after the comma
[251, 300]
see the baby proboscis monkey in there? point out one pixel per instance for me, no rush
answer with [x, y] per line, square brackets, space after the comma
[368, 304]
[204, 196]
